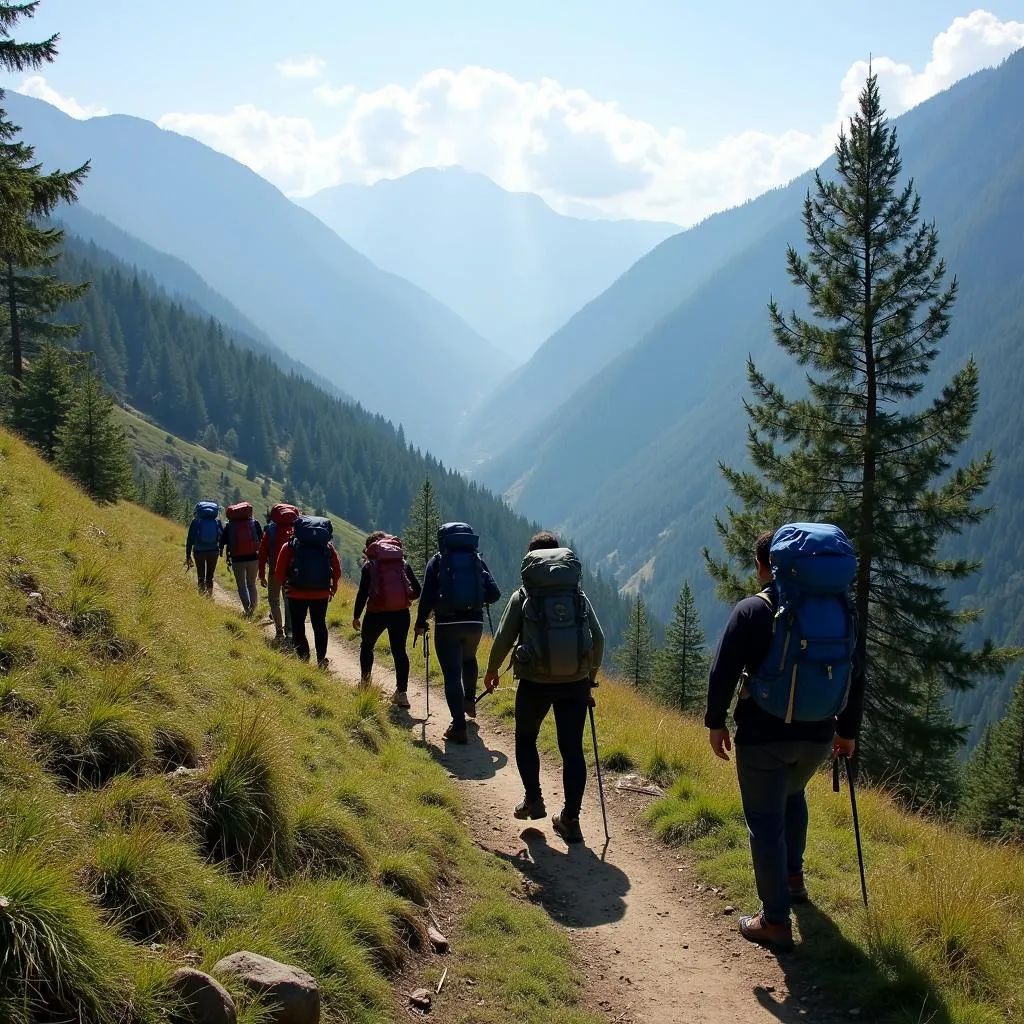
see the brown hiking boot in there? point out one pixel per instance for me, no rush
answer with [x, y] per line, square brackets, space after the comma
[797, 889]
[566, 827]
[455, 735]
[767, 933]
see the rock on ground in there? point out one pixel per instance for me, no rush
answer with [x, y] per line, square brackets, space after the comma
[289, 993]
[205, 1000]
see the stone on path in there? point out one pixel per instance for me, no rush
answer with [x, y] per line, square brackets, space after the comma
[437, 940]
[289, 993]
[205, 1000]
[422, 999]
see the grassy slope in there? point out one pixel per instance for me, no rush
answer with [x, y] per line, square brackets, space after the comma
[153, 448]
[310, 832]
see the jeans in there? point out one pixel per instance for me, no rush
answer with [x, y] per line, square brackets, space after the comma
[276, 597]
[245, 580]
[455, 646]
[317, 619]
[570, 702]
[397, 624]
[772, 779]
[206, 566]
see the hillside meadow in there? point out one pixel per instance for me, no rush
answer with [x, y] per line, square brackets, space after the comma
[173, 790]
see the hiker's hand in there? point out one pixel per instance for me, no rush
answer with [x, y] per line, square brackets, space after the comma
[263, 581]
[721, 742]
[418, 634]
[491, 680]
[332, 592]
[842, 747]
[591, 701]
[356, 625]
[189, 563]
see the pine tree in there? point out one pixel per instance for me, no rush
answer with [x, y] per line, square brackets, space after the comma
[166, 499]
[92, 447]
[210, 439]
[41, 404]
[861, 449]
[680, 667]
[419, 538]
[634, 658]
[230, 441]
[994, 803]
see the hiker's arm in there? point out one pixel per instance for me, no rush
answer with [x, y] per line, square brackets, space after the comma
[848, 722]
[263, 553]
[410, 575]
[284, 561]
[363, 594]
[492, 595]
[598, 633]
[428, 598]
[335, 569]
[507, 633]
[190, 539]
[730, 660]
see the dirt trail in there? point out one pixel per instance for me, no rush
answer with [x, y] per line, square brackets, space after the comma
[656, 951]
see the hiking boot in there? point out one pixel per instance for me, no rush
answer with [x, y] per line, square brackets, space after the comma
[400, 699]
[797, 889]
[279, 636]
[767, 933]
[324, 664]
[469, 706]
[528, 808]
[566, 827]
[453, 734]
[364, 681]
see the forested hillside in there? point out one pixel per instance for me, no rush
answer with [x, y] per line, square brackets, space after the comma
[188, 372]
[630, 461]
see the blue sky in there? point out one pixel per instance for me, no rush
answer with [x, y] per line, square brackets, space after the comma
[648, 92]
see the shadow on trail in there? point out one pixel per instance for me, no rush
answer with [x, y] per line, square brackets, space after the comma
[833, 976]
[472, 761]
[573, 884]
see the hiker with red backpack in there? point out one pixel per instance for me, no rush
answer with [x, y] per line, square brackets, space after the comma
[204, 541]
[241, 540]
[309, 568]
[387, 589]
[456, 586]
[280, 523]
[795, 649]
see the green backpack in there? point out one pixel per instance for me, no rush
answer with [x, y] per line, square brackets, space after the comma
[556, 643]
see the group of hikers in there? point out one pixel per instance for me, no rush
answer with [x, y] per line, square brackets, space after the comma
[792, 651]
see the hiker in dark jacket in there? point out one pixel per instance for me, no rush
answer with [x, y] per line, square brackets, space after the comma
[775, 759]
[458, 632]
[387, 588]
[202, 544]
[312, 601]
[241, 542]
[566, 688]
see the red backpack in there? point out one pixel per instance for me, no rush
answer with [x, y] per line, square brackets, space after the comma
[390, 589]
[280, 529]
[243, 533]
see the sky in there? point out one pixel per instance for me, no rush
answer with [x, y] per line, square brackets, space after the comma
[651, 109]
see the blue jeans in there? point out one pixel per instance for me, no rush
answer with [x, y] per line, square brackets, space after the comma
[773, 777]
[455, 646]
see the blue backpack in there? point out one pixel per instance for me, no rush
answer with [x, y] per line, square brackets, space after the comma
[310, 568]
[207, 535]
[460, 574]
[805, 676]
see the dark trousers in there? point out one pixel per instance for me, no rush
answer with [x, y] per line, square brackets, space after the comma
[206, 566]
[317, 619]
[455, 646]
[773, 777]
[570, 702]
[397, 624]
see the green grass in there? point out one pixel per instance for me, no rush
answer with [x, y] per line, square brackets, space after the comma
[171, 784]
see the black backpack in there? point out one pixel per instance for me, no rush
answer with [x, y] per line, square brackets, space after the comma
[460, 574]
[310, 568]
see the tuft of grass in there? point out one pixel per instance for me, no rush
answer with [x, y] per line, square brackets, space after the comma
[367, 720]
[128, 802]
[174, 746]
[144, 882]
[327, 842]
[246, 824]
[616, 759]
[404, 875]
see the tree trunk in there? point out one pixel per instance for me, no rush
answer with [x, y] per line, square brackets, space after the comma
[12, 312]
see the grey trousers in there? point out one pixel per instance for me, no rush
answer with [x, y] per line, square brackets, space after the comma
[277, 598]
[245, 580]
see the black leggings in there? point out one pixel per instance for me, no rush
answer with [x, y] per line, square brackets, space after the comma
[317, 619]
[206, 568]
[570, 701]
[397, 624]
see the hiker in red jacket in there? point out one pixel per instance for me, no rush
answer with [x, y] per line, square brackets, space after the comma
[280, 523]
[387, 589]
[308, 565]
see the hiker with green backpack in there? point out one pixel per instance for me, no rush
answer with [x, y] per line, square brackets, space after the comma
[556, 644]
[202, 544]
[796, 653]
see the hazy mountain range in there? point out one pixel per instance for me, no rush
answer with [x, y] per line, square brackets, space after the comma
[506, 262]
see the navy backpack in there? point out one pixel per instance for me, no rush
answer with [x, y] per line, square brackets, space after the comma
[310, 568]
[460, 576]
[207, 536]
[805, 677]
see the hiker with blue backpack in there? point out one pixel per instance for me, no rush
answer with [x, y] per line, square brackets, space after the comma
[309, 568]
[241, 541]
[456, 586]
[202, 544]
[794, 649]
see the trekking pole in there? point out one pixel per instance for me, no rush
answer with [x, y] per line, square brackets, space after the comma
[856, 818]
[600, 782]
[426, 662]
[490, 621]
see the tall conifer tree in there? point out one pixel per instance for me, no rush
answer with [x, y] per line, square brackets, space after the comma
[41, 404]
[419, 538]
[634, 657]
[166, 497]
[864, 448]
[680, 666]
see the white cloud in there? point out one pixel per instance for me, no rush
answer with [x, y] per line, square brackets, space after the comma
[580, 153]
[38, 87]
[302, 67]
